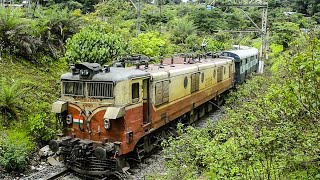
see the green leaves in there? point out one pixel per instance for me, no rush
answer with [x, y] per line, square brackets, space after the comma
[150, 44]
[9, 99]
[41, 126]
[94, 44]
[270, 129]
[15, 146]
[15, 33]
[285, 33]
[181, 29]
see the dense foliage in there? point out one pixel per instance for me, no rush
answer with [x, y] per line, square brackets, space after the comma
[15, 145]
[94, 44]
[271, 124]
[151, 44]
[270, 129]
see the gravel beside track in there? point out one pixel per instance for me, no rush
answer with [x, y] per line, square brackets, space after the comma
[45, 173]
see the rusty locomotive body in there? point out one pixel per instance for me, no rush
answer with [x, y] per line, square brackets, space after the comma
[111, 114]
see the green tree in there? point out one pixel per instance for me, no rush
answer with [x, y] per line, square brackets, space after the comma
[181, 29]
[284, 33]
[115, 11]
[53, 27]
[306, 7]
[15, 33]
[87, 6]
[208, 21]
[152, 15]
[94, 44]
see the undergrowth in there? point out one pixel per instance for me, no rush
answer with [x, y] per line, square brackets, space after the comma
[270, 129]
[26, 94]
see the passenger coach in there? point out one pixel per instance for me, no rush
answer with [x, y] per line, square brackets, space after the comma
[246, 61]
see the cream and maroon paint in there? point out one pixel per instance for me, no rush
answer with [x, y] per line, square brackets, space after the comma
[88, 114]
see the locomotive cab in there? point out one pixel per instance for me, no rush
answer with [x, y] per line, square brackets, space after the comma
[101, 111]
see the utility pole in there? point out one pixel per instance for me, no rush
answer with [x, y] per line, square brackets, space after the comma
[264, 40]
[263, 30]
[138, 19]
[160, 6]
[138, 7]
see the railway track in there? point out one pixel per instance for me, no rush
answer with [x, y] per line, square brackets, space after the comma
[52, 173]
[59, 175]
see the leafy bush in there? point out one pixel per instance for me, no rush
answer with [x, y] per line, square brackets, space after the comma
[94, 44]
[32, 38]
[9, 100]
[115, 11]
[270, 129]
[41, 126]
[53, 27]
[15, 146]
[285, 33]
[15, 33]
[151, 44]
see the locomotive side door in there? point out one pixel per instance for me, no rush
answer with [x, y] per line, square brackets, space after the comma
[141, 94]
[146, 100]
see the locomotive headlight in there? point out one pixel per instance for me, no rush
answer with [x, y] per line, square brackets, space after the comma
[84, 72]
[69, 119]
[107, 124]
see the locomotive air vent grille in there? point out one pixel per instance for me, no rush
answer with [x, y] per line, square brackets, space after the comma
[100, 90]
[72, 88]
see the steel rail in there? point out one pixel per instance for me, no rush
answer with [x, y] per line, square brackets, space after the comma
[58, 175]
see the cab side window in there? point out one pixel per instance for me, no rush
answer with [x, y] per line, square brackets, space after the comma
[135, 92]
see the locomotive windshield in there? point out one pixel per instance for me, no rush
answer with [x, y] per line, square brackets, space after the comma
[101, 90]
[72, 88]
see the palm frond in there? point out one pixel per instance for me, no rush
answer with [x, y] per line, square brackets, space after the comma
[9, 97]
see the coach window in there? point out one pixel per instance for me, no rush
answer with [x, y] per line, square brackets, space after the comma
[135, 92]
[224, 70]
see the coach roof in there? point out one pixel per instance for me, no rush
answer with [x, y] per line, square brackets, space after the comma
[241, 54]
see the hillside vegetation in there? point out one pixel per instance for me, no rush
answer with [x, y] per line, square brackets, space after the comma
[270, 129]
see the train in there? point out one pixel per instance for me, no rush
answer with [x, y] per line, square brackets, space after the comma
[113, 114]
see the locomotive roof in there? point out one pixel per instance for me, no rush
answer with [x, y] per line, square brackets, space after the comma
[242, 53]
[178, 69]
[117, 74]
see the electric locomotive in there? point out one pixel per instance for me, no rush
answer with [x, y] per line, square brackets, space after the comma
[111, 114]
